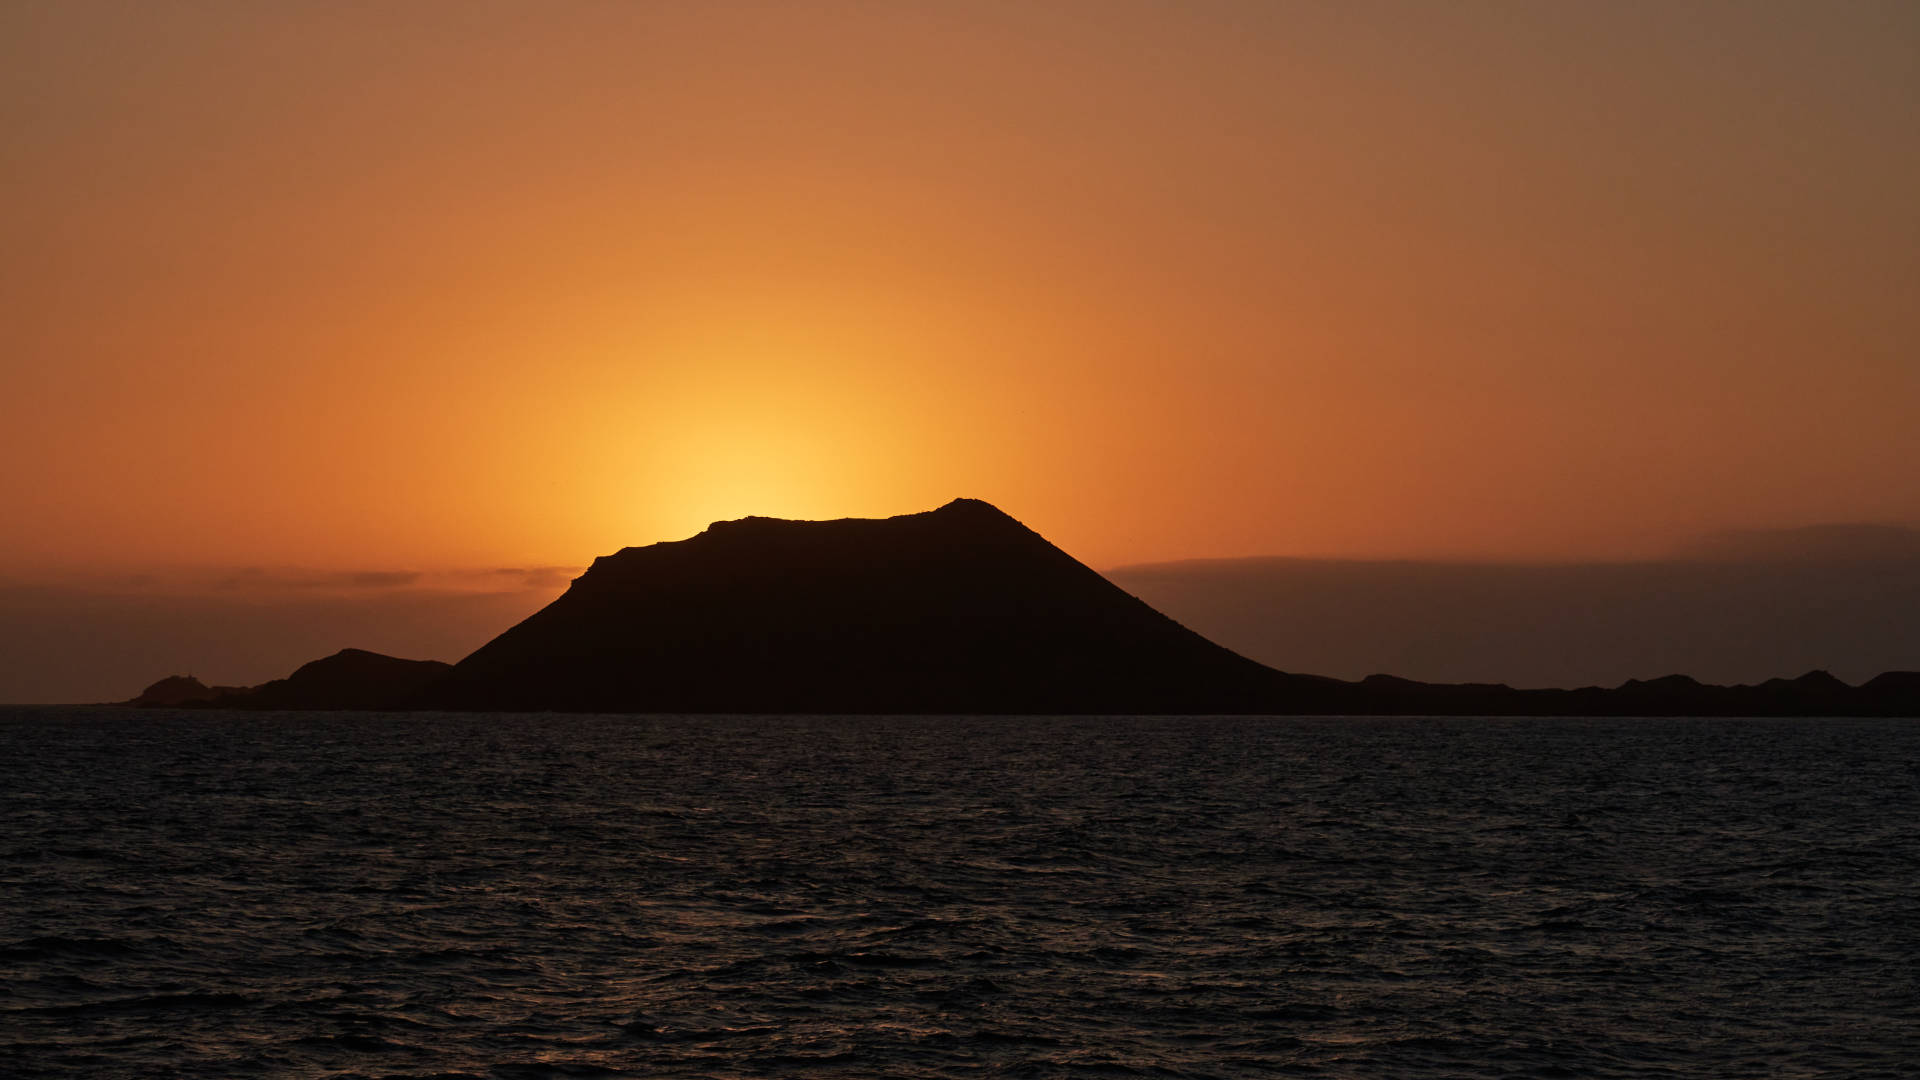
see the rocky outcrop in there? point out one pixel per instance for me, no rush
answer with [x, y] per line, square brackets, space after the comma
[349, 679]
[182, 690]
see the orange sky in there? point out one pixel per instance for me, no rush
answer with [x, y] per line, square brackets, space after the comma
[468, 284]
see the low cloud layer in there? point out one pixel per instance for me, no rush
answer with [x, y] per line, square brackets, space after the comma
[1857, 543]
[104, 638]
[269, 581]
[1738, 608]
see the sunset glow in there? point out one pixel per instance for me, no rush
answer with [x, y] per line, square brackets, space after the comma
[459, 285]
[913, 539]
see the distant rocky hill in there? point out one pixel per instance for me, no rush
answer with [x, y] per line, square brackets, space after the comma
[349, 679]
[176, 690]
[956, 610]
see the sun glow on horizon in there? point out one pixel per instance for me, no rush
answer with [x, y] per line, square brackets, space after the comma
[445, 284]
[754, 425]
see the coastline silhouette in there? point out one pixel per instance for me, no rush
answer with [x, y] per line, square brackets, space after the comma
[956, 610]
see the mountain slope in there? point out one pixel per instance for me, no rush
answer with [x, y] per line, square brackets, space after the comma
[349, 679]
[956, 610]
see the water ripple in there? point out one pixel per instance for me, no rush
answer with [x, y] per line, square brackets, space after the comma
[214, 895]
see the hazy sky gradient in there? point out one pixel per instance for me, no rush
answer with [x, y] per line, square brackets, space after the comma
[433, 285]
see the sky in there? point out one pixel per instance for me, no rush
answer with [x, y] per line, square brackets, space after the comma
[450, 288]
[1740, 611]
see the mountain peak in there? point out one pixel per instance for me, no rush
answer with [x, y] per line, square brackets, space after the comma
[975, 511]
[952, 510]
[971, 506]
[957, 609]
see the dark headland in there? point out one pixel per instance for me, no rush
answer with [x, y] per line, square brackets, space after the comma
[956, 610]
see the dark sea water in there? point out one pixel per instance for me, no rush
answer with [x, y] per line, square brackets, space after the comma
[311, 895]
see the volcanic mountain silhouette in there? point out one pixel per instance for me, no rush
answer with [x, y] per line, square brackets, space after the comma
[957, 610]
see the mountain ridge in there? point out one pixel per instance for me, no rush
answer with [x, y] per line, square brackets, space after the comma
[960, 609]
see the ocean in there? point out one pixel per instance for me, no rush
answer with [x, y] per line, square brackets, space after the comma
[210, 894]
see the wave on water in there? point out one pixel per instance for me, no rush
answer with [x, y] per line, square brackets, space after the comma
[201, 894]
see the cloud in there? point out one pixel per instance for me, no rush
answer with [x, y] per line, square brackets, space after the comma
[267, 582]
[256, 578]
[103, 637]
[1838, 543]
[536, 577]
[1724, 620]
